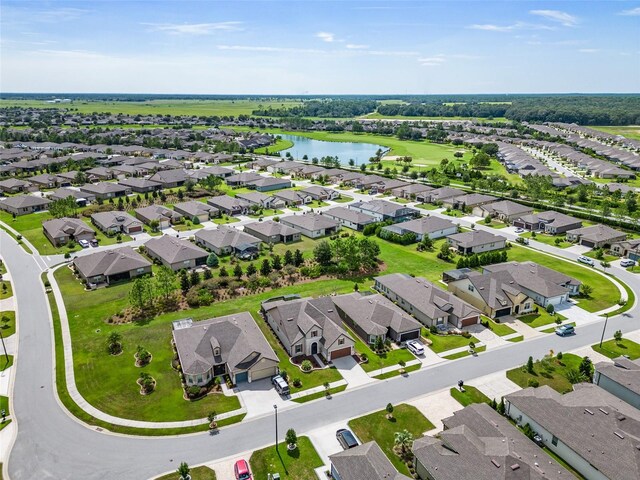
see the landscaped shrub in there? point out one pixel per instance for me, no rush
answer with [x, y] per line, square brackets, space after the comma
[306, 366]
[533, 383]
[297, 383]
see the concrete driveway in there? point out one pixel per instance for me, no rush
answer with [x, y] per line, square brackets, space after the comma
[578, 249]
[259, 397]
[495, 385]
[435, 407]
[352, 372]
[325, 441]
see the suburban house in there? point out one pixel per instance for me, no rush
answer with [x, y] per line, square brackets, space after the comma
[374, 318]
[229, 205]
[504, 210]
[597, 236]
[82, 198]
[272, 232]
[293, 197]
[308, 326]
[364, 462]
[194, 209]
[176, 253]
[100, 173]
[170, 178]
[620, 378]
[140, 185]
[383, 210]
[627, 248]
[111, 266]
[225, 240]
[242, 179]
[116, 222]
[260, 199]
[105, 190]
[269, 184]
[544, 285]
[550, 222]
[411, 191]
[216, 171]
[163, 215]
[478, 443]
[468, 201]
[496, 294]
[45, 180]
[439, 194]
[231, 345]
[321, 193]
[426, 302]
[589, 428]
[432, 227]
[24, 204]
[312, 225]
[14, 185]
[476, 241]
[349, 218]
[60, 231]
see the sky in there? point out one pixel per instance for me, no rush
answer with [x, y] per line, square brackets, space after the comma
[319, 47]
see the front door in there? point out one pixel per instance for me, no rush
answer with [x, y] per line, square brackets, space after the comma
[314, 348]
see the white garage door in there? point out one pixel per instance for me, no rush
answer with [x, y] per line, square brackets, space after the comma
[264, 373]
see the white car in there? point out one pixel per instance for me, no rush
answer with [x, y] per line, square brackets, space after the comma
[83, 243]
[627, 262]
[415, 347]
[586, 260]
[519, 230]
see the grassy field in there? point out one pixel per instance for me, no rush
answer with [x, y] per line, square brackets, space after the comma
[298, 464]
[377, 427]
[469, 396]
[553, 376]
[219, 108]
[629, 131]
[279, 146]
[8, 328]
[613, 349]
[197, 473]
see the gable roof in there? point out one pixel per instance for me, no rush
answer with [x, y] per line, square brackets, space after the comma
[194, 208]
[537, 278]
[423, 225]
[170, 176]
[65, 226]
[174, 250]
[157, 212]
[507, 207]
[310, 221]
[365, 462]
[475, 238]
[225, 236]
[597, 233]
[114, 218]
[23, 201]
[496, 288]
[349, 215]
[110, 262]
[270, 228]
[622, 371]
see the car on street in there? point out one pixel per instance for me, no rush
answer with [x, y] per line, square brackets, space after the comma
[627, 262]
[564, 330]
[346, 439]
[415, 347]
[83, 243]
[241, 470]
[281, 385]
[586, 260]
[522, 241]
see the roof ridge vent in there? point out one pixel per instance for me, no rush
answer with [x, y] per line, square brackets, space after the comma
[619, 435]
[590, 412]
[603, 411]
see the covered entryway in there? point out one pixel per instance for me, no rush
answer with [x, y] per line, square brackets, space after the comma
[341, 352]
[314, 348]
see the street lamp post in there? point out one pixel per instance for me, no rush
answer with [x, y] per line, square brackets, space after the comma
[275, 408]
[606, 319]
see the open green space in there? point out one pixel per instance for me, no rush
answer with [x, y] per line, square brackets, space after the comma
[279, 146]
[7, 328]
[267, 212]
[542, 317]
[197, 473]
[298, 464]
[629, 131]
[469, 395]
[376, 427]
[343, 199]
[378, 361]
[493, 224]
[553, 375]
[613, 349]
[379, 116]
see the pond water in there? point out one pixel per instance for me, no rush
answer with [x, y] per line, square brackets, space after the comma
[360, 152]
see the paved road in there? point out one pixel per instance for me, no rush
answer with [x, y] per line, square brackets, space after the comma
[51, 445]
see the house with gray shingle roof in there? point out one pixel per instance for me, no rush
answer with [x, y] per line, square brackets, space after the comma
[231, 345]
[383, 210]
[627, 248]
[241, 179]
[432, 227]
[476, 241]
[312, 225]
[411, 191]
[308, 326]
[469, 201]
[60, 231]
[364, 462]
[504, 210]
[620, 378]
[321, 193]
[260, 200]
[175, 253]
[110, 266]
[550, 222]
[163, 215]
[140, 185]
[225, 240]
[293, 197]
[14, 185]
[349, 218]
[269, 184]
[272, 232]
[115, 222]
[597, 236]
[24, 204]
[105, 190]
[170, 178]
[82, 198]
[229, 205]
[194, 209]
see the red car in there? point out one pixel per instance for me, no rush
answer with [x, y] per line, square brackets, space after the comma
[241, 469]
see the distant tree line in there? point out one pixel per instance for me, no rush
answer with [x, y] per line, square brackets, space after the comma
[322, 108]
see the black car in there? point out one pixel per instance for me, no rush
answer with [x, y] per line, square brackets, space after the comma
[346, 439]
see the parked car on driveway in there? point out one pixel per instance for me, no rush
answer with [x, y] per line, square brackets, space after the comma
[415, 347]
[346, 439]
[627, 262]
[519, 230]
[282, 387]
[564, 330]
[83, 243]
[586, 260]
[241, 470]
[94, 242]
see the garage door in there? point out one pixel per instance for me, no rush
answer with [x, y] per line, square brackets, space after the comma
[264, 373]
[469, 321]
[135, 229]
[409, 336]
[502, 312]
[341, 352]
[587, 243]
[242, 377]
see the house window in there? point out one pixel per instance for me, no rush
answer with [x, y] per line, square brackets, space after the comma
[470, 288]
[314, 333]
[298, 348]
[527, 306]
[140, 270]
[341, 341]
[554, 441]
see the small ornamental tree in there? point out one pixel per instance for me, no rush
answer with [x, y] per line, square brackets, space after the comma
[212, 260]
[586, 367]
[183, 471]
[617, 336]
[292, 439]
[114, 343]
[550, 309]
[530, 365]
[389, 409]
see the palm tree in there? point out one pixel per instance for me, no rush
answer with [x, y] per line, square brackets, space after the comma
[403, 439]
[183, 471]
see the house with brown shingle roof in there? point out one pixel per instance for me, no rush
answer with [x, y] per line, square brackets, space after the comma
[60, 231]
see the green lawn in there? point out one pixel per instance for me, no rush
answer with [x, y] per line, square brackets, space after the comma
[469, 396]
[499, 329]
[395, 373]
[548, 239]
[343, 199]
[182, 227]
[279, 146]
[541, 318]
[267, 212]
[553, 376]
[8, 328]
[605, 293]
[605, 258]
[296, 465]
[443, 343]
[5, 292]
[465, 353]
[197, 473]
[629, 131]
[315, 396]
[225, 220]
[427, 206]
[613, 349]
[517, 339]
[376, 361]
[2, 426]
[5, 363]
[378, 428]
[493, 224]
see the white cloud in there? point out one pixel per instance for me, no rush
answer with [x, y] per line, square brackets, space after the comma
[434, 61]
[589, 50]
[326, 37]
[490, 27]
[59, 14]
[563, 18]
[194, 28]
[632, 12]
[353, 46]
[262, 48]
[68, 54]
